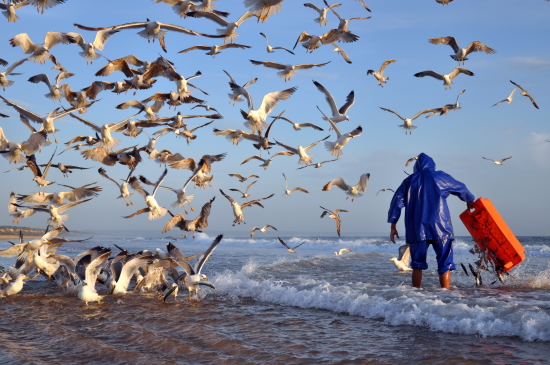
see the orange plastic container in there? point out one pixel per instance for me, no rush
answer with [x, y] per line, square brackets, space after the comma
[491, 232]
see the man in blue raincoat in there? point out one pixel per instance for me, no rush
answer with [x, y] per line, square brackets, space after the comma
[423, 194]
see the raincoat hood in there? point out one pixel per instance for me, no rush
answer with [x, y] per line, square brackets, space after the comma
[424, 195]
[424, 162]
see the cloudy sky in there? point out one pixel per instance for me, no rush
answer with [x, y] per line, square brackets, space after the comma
[397, 29]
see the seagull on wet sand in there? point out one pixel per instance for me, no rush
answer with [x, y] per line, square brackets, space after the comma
[291, 250]
[352, 191]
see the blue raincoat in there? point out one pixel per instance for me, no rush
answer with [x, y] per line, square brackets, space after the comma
[424, 194]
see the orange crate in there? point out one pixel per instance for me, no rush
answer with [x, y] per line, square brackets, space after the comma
[491, 232]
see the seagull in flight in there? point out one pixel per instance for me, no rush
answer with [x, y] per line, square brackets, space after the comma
[4, 82]
[317, 165]
[298, 126]
[334, 215]
[322, 19]
[153, 208]
[338, 115]
[380, 74]
[287, 192]
[263, 229]
[245, 194]
[403, 261]
[498, 162]
[446, 78]
[242, 178]
[267, 162]
[461, 53]
[386, 189]
[228, 33]
[407, 125]
[525, 93]
[343, 25]
[508, 100]
[287, 70]
[352, 191]
[305, 159]
[40, 52]
[270, 49]
[335, 148]
[291, 250]
[237, 208]
[190, 225]
[124, 192]
[151, 30]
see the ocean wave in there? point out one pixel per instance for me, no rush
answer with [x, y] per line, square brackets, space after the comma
[453, 312]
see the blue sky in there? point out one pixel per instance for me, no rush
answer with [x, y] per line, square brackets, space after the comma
[397, 29]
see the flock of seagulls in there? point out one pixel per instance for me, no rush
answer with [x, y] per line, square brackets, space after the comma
[167, 272]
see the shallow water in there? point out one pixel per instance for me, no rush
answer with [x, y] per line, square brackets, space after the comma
[274, 307]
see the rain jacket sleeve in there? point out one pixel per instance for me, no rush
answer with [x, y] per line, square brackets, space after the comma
[398, 202]
[448, 185]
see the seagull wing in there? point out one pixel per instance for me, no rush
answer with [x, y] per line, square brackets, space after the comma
[363, 181]
[133, 25]
[332, 124]
[350, 100]
[206, 255]
[404, 254]
[338, 181]
[436, 110]
[504, 159]
[93, 269]
[209, 15]
[283, 243]
[141, 211]
[385, 64]
[87, 122]
[488, 159]
[129, 269]
[341, 51]
[314, 7]
[134, 183]
[34, 117]
[227, 196]
[101, 38]
[252, 202]
[291, 149]
[200, 47]
[429, 73]
[477, 46]
[328, 97]
[63, 208]
[272, 99]
[460, 70]
[391, 111]
[160, 180]
[309, 65]
[299, 189]
[103, 173]
[451, 41]
[253, 157]
[174, 221]
[314, 144]
[298, 245]
[16, 64]
[278, 66]
[522, 89]
[179, 258]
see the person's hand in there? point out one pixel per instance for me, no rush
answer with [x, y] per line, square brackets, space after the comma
[470, 205]
[393, 233]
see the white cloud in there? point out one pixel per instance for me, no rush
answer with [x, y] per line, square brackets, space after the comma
[537, 63]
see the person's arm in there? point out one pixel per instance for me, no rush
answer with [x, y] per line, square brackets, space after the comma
[449, 185]
[393, 232]
[397, 203]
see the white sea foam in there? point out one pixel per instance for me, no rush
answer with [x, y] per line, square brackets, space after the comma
[465, 312]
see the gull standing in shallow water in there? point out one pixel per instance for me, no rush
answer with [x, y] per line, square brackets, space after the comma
[402, 263]
[193, 277]
[291, 250]
[353, 191]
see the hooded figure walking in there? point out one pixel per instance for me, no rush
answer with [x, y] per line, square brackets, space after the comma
[427, 219]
